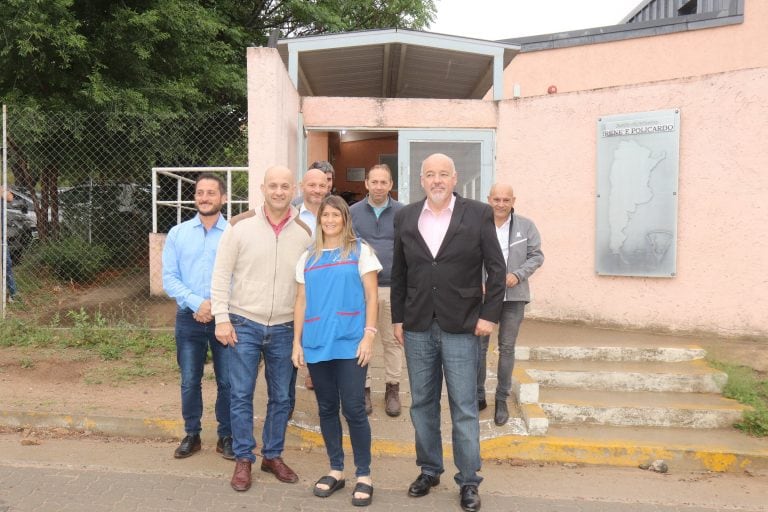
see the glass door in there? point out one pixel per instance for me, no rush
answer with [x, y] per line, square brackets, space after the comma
[471, 150]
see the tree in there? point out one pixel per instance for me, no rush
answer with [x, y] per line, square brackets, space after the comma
[163, 58]
[295, 18]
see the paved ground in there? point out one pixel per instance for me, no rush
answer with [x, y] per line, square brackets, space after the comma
[101, 474]
[63, 469]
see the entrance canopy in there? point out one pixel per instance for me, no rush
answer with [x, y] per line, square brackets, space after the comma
[396, 63]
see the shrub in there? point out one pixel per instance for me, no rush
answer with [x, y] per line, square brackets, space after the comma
[750, 388]
[74, 259]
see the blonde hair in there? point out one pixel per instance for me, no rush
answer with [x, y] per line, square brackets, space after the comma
[348, 236]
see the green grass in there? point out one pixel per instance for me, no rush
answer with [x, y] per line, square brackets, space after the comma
[750, 388]
[143, 353]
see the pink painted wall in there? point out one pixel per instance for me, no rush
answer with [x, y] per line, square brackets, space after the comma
[317, 149]
[273, 117]
[324, 112]
[547, 150]
[645, 59]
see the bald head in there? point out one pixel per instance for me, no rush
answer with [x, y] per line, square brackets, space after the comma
[279, 172]
[438, 179]
[505, 188]
[314, 187]
[438, 160]
[278, 189]
[502, 200]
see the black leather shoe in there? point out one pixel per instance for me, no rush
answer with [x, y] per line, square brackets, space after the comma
[470, 498]
[224, 447]
[189, 445]
[481, 404]
[421, 486]
[501, 415]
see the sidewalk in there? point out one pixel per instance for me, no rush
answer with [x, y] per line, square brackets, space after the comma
[112, 475]
[150, 410]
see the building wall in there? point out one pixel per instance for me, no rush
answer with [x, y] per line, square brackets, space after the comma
[351, 113]
[546, 147]
[273, 116]
[317, 149]
[547, 150]
[645, 59]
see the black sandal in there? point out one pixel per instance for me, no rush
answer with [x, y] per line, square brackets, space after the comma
[363, 488]
[333, 486]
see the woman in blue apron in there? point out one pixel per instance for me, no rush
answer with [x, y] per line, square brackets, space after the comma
[334, 329]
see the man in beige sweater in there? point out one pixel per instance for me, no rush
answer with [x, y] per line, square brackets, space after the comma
[252, 294]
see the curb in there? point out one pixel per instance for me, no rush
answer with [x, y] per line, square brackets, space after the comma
[550, 449]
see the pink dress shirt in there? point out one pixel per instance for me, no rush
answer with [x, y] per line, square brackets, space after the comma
[433, 226]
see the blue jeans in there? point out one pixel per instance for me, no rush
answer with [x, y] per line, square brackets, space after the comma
[192, 341]
[10, 282]
[342, 381]
[274, 343]
[429, 355]
[509, 327]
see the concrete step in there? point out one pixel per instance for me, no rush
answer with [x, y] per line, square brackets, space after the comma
[648, 409]
[721, 449]
[538, 333]
[524, 387]
[400, 429]
[610, 353]
[685, 377]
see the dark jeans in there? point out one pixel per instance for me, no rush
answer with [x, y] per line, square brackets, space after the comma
[509, 327]
[192, 341]
[342, 381]
[274, 343]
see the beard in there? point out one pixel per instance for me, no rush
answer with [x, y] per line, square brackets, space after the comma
[210, 211]
[438, 195]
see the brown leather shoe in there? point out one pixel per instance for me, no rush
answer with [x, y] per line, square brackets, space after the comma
[241, 480]
[392, 399]
[368, 403]
[280, 469]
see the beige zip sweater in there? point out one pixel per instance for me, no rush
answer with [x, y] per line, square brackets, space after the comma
[255, 271]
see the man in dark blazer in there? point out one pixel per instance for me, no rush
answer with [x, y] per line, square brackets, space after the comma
[442, 244]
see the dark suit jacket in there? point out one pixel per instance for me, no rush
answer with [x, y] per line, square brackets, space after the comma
[449, 286]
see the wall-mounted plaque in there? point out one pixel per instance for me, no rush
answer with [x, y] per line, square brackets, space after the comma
[637, 185]
[355, 173]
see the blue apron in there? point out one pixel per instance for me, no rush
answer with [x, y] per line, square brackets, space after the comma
[334, 319]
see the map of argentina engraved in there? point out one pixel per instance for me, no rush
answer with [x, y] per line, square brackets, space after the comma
[637, 185]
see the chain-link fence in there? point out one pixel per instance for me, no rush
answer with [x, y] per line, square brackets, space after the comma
[79, 222]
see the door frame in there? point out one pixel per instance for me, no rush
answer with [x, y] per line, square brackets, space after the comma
[485, 137]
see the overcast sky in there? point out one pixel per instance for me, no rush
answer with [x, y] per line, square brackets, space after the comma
[503, 19]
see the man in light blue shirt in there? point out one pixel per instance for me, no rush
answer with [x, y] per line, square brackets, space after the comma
[188, 258]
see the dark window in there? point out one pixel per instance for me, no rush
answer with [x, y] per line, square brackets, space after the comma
[688, 8]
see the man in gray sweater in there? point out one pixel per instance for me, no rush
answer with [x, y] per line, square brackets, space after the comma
[521, 245]
[373, 219]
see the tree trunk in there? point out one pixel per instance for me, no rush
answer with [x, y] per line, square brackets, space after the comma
[24, 177]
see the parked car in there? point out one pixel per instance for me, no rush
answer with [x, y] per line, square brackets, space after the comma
[21, 233]
[22, 202]
[116, 215]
